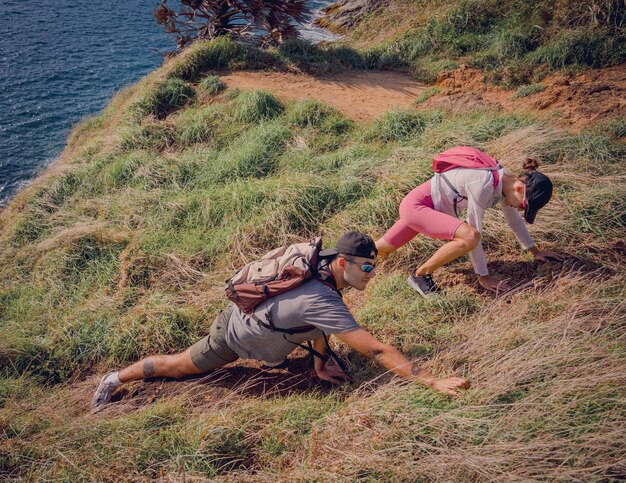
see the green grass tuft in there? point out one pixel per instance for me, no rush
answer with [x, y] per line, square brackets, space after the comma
[211, 84]
[165, 98]
[581, 47]
[309, 113]
[195, 126]
[204, 56]
[255, 106]
[427, 94]
[401, 125]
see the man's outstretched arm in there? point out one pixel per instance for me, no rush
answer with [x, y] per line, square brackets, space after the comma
[391, 358]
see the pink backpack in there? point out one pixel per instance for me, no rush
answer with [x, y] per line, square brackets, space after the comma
[464, 157]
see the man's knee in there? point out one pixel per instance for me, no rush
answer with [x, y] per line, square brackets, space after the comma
[469, 236]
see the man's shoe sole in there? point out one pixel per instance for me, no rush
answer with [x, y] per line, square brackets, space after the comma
[100, 407]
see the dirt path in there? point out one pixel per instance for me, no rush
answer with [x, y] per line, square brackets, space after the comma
[361, 96]
[575, 101]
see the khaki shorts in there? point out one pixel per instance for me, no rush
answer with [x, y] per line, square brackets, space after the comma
[212, 352]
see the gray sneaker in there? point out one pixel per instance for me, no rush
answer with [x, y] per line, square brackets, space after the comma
[102, 396]
[424, 285]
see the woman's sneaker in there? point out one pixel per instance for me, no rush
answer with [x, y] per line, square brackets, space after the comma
[423, 284]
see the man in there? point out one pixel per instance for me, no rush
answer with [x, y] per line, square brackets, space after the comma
[314, 303]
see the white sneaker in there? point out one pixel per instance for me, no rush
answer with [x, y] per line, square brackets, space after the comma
[102, 396]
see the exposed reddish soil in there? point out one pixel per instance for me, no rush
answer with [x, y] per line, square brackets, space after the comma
[574, 100]
[361, 96]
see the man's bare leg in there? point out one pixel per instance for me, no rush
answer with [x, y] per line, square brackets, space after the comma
[175, 366]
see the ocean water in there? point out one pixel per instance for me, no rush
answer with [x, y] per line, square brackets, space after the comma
[61, 61]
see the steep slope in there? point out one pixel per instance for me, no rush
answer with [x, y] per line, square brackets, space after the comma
[121, 251]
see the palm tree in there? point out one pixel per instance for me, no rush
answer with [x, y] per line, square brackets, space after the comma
[259, 22]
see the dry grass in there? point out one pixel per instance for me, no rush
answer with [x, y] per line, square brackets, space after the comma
[547, 401]
[122, 250]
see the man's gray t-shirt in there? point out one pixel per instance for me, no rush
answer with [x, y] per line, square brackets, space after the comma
[313, 303]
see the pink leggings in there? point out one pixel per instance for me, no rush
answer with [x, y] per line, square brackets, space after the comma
[418, 215]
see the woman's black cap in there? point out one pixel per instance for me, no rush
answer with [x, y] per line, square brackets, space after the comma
[538, 193]
[353, 243]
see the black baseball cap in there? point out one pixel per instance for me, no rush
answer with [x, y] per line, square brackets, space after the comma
[538, 193]
[353, 243]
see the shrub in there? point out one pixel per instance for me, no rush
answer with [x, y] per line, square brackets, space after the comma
[506, 44]
[529, 90]
[164, 98]
[382, 58]
[474, 16]
[211, 84]
[256, 106]
[417, 43]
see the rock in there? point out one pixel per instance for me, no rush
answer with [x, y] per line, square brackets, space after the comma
[343, 15]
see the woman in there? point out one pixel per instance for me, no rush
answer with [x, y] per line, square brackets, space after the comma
[433, 207]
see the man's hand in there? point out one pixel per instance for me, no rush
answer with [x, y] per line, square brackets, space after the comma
[449, 385]
[493, 283]
[391, 358]
[547, 255]
[331, 372]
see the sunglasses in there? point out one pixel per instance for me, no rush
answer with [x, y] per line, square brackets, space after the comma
[365, 267]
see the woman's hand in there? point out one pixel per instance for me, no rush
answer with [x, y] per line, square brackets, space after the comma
[331, 373]
[449, 385]
[493, 283]
[547, 255]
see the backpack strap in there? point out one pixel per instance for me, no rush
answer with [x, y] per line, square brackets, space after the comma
[326, 277]
[459, 197]
[309, 346]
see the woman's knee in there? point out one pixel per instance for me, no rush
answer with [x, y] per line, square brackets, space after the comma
[468, 235]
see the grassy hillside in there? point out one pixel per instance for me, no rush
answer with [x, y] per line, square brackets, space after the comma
[122, 249]
[515, 42]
